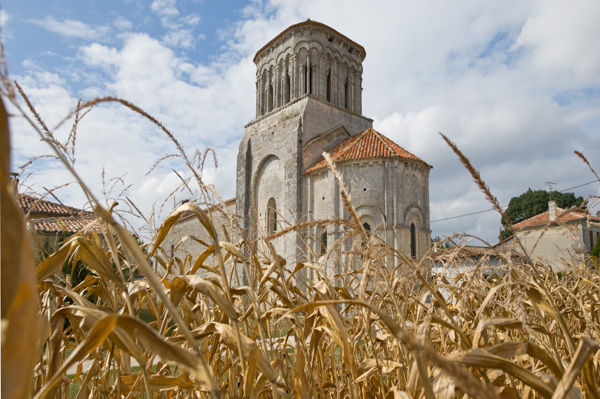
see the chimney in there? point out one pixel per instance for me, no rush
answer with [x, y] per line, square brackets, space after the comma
[552, 210]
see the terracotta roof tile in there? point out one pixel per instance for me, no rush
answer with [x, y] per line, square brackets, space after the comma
[33, 205]
[562, 216]
[369, 144]
[307, 23]
[69, 224]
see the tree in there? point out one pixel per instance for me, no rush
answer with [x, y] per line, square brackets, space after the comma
[596, 250]
[532, 203]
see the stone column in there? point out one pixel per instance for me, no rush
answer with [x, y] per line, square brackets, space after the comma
[276, 86]
[334, 78]
[269, 95]
[302, 80]
[258, 96]
[294, 77]
[286, 87]
[308, 71]
[359, 96]
[351, 76]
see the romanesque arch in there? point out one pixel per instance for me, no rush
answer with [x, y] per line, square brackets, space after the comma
[268, 196]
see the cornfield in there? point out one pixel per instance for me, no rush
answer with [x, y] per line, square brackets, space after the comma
[389, 328]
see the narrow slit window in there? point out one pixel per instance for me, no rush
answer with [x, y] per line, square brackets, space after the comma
[324, 241]
[271, 216]
[413, 241]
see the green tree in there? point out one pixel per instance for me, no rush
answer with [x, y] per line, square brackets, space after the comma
[596, 250]
[532, 203]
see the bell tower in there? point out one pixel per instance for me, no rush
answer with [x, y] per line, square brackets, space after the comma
[309, 58]
[308, 98]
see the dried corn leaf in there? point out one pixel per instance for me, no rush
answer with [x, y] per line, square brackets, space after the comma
[131, 383]
[211, 290]
[19, 298]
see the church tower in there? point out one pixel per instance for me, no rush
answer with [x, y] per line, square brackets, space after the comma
[309, 101]
[308, 98]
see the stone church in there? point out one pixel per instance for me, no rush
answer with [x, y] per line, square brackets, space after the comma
[309, 101]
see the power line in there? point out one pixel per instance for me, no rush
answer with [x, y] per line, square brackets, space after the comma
[504, 206]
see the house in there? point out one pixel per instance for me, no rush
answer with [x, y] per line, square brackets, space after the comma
[558, 237]
[53, 222]
[309, 101]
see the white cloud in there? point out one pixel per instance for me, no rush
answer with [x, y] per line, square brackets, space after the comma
[164, 8]
[183, 38]
[71, 28]
[122, 23]
[4, 18]
[190, 20]
[492, 76]
[563, 40]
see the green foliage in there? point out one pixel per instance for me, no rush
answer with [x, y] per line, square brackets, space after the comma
[596, 250]
[532, 203]
[504, 234]
[77, 271]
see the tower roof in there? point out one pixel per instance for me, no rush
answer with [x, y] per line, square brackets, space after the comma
[369, 144]
[308, 22]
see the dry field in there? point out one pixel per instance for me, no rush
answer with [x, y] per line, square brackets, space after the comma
[385, 329]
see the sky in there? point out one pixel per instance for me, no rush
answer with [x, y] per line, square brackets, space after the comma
[515, 84]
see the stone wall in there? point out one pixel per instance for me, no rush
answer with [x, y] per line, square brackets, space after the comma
[278, 138]
[388, 194]
[188, 238]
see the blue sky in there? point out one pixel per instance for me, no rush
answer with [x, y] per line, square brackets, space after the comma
[516, 84]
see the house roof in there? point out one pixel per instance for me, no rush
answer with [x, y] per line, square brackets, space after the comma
[68, 224]
[308, 22]
[33, 205]
[562, 216]
[369, 144]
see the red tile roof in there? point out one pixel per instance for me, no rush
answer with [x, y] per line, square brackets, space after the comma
[307, 23]
[69, 224]
[562, 216]
[369, 144]
[33, 205]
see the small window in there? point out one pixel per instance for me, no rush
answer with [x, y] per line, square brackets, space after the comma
[367, 228]
[271, 216]
[324, 241]
[329, 85]
[413, 241]
[346, 94]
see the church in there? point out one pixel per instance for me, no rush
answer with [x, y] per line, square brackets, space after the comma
[309, 101]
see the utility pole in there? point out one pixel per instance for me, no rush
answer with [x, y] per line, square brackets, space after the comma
[550, 188]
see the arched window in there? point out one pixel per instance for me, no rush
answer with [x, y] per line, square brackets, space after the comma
[271, 216]
[367, 228]
[329, 85]
[413, 241]
[346, 94]
[270, 98]
[324, 241]
[288, 89]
